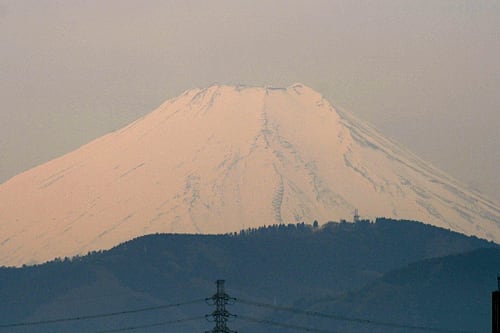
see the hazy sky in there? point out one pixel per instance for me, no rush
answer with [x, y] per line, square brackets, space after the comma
[425, 73]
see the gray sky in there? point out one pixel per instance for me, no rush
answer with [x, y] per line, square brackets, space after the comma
[425, 73]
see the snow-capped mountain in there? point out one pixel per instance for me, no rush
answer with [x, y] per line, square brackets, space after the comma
[222, 159]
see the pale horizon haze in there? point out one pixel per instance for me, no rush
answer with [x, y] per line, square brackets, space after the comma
[424, 73]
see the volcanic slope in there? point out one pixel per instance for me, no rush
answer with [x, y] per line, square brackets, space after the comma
[222, 159]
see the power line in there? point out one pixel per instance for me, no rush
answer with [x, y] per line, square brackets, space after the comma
[275, 323]
[222, 314]
[349, 319]
[95, 316]
[163, 323]
[65, 300]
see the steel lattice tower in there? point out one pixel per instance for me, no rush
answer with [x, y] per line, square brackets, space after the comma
[495, 311]
[220, 316]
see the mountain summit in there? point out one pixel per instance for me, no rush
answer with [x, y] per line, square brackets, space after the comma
[222, 159]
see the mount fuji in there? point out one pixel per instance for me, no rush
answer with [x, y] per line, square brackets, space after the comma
[222, 159]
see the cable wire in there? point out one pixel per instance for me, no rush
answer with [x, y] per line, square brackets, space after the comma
[163, 323]
[349, 319]
[95, 316]
[275, 323]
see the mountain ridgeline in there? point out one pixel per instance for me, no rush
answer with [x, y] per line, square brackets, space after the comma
[223, 159]
[452, 292]
[298, 265]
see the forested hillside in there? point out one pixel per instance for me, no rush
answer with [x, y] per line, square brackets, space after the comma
[287, 265]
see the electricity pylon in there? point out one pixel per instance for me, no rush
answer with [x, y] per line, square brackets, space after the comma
[220, 316]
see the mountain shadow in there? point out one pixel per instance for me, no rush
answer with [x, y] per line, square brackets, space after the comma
[451, 293]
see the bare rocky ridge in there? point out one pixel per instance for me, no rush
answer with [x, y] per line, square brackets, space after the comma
[221, 159]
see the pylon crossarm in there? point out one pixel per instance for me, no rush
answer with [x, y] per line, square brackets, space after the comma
[220, 316]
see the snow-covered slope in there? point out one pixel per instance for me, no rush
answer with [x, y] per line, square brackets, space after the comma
[221, 159]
